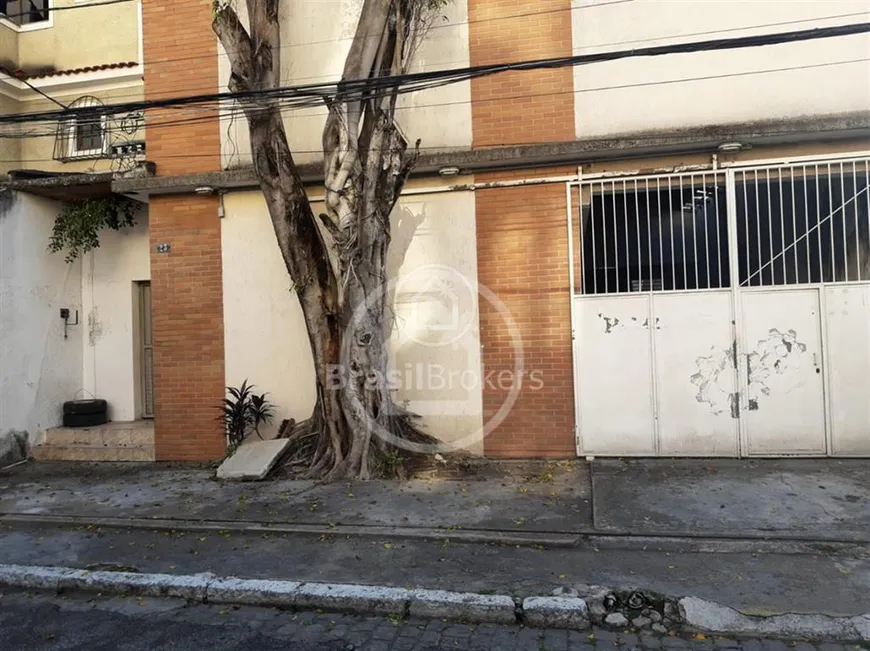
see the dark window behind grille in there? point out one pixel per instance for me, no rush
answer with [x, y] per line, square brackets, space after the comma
[88, 136]
[655, 235]
[807, 224]
[24, 12]
[84, 136]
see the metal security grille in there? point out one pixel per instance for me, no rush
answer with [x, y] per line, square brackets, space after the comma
[801, 224]
[805, 223]
[723, 313]
[79, 138]
[663, 233]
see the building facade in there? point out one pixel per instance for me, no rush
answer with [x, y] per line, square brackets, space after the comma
[57, 53]
[656, 256]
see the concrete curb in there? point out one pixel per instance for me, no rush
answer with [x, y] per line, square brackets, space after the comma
[708, 616]
[463, 606]
[565, 612]
[208, 588]
[556, 612]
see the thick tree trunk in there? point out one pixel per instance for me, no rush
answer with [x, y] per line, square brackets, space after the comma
[337, 261]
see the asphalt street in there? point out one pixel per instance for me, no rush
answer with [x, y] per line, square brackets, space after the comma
[78, 622]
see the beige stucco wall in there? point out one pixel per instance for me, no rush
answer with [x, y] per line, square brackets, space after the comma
[826, 76]
[39, 368]
[110, 329]
[316, 37]
[10, 148]
[85, 36]
[433, 238]
[8, 47]
[81, 37]
[38, 152]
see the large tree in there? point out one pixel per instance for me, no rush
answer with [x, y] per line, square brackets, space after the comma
[337, 261]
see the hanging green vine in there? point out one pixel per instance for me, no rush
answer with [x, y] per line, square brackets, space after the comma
[77, 227]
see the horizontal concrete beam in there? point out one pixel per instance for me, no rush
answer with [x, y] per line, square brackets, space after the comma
[852, 126]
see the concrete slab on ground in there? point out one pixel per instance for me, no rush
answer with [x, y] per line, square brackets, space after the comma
[814, 498]
[252, 461]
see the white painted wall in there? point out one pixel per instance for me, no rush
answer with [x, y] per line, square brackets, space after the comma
[316, 36]
[828, 76]
[110, 324]
[265, 334]
[39, 369]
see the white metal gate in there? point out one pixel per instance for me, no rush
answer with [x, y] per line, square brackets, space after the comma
[723, 312]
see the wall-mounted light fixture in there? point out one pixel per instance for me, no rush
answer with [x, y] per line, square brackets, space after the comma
[731, 147]
[449, 171]
[64, 314]
[208, 190]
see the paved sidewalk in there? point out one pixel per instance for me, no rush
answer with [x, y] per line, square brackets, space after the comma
[826, 500]
[822, 499]
[669, 527]
[525, 498]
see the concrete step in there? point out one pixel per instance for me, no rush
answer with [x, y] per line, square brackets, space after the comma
[84, 452]
[134, 434]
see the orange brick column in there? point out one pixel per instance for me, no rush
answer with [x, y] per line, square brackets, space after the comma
[522, 240]
[181, 58]
[521, 107]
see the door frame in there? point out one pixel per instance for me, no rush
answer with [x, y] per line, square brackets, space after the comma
[145, 348]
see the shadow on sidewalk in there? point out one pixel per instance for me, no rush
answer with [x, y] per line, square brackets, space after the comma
[825, 500]
[819, 499]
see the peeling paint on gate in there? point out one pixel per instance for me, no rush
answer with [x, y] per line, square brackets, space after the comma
[614, 323]
[714, 379]
[609, 323]
[771, 356]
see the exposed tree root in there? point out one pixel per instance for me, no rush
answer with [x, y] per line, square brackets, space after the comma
[310, 456]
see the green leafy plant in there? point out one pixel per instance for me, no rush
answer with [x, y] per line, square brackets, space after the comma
[78, 225]
[262, 411]
[244, 411]
[392, 464]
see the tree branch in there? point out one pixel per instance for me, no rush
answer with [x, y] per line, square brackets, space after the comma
[238, 46]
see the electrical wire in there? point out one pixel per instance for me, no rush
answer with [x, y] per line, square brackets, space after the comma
[543, 13]
[48, 10]
[236, 112]
[117, 96]
[112, 96]
[314, 94]
[441, 150]
[450, 25]
[35, 89]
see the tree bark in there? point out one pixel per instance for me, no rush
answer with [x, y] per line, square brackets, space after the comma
[337, 261]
